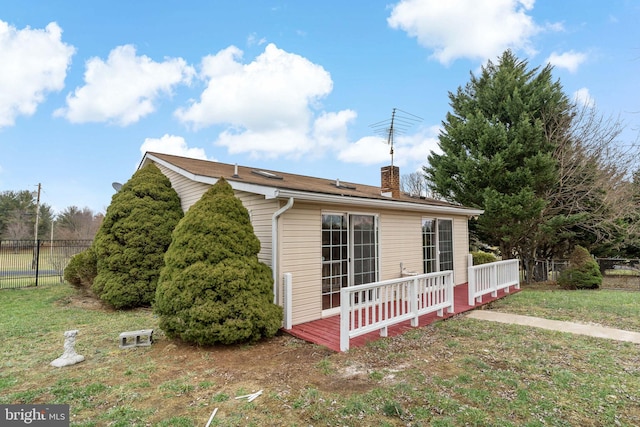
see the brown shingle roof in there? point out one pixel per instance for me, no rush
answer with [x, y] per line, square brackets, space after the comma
[286, 181]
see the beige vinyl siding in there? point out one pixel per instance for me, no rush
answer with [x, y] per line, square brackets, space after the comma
[460, 249]
[189, 191]
[399, 241]
[261, 212]
[300, 236]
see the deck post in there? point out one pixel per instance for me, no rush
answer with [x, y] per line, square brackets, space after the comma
[345, 308]
[450, 293]
[288, 303]
[413, 295]
[472, 286]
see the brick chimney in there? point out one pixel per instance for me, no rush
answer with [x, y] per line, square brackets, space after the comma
[390, 178]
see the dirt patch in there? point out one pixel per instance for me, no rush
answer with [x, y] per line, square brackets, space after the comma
[84, 300]
[190, 375]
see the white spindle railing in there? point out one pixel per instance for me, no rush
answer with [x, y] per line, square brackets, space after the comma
[376, 306]
[491, 277]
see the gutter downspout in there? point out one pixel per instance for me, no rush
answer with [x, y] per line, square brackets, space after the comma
[274, 245]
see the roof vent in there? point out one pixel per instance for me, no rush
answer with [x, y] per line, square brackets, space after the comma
[235, 171]
[266, 174]
[340, 185]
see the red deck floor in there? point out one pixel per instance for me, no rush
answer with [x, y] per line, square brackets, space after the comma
[326, 331]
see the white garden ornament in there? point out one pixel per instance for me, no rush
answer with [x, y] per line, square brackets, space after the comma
[69, 357]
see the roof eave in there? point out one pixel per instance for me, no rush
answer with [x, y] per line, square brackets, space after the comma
[376, 203]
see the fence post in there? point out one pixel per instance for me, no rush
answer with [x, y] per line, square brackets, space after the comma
[37, 249]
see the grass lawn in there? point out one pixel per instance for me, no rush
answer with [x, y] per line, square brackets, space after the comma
[456, 372]
[609, 308]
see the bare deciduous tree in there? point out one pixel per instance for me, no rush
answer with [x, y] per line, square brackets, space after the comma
[18, 227]
[416, 184]
[594, 178]
[77, 224]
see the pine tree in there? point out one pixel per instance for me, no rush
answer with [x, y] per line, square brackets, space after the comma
[213, 289]
[497, 150]
[133, 237]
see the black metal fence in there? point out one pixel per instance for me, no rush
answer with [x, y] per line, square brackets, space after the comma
[545, 270]
[25, 263]
[628, 269]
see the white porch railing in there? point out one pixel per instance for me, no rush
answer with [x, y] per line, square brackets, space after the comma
[376, 306]
[489, 278]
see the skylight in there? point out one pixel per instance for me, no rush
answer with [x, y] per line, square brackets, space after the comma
[266, 174]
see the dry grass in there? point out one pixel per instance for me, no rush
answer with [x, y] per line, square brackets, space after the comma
[457, 372]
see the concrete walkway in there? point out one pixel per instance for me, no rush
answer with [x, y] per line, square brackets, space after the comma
[556, 325]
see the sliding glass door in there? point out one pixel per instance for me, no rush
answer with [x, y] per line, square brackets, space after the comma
[349, 254]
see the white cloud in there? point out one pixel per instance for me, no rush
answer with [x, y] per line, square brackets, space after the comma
[330, 129]
[34, 62]
[570, 60]
[124, 88]
[475, 29]
[172, 144]
[369, 150]
[270, 105]
[583, 97]
[408, 150]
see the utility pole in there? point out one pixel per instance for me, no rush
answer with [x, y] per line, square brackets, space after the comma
[35, 230]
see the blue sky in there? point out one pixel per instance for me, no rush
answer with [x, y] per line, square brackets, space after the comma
[87, 87]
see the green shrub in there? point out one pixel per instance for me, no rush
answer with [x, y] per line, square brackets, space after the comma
[583, 271]
[133, 237]
[480, 257]
[213, 289]
[82, 269]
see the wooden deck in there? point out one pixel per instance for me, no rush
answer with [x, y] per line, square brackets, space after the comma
[326, 331]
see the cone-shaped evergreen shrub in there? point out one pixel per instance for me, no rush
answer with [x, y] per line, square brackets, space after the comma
[82, 269]
[213, 289]
[133, 237]
[583, 271]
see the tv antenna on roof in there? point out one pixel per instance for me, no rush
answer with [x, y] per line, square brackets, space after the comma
[399, 123]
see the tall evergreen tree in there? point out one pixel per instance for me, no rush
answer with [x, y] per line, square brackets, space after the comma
[213, 289]
[133, 237]
[497, 151]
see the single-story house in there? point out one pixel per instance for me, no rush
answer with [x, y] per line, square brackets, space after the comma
[330, 234]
